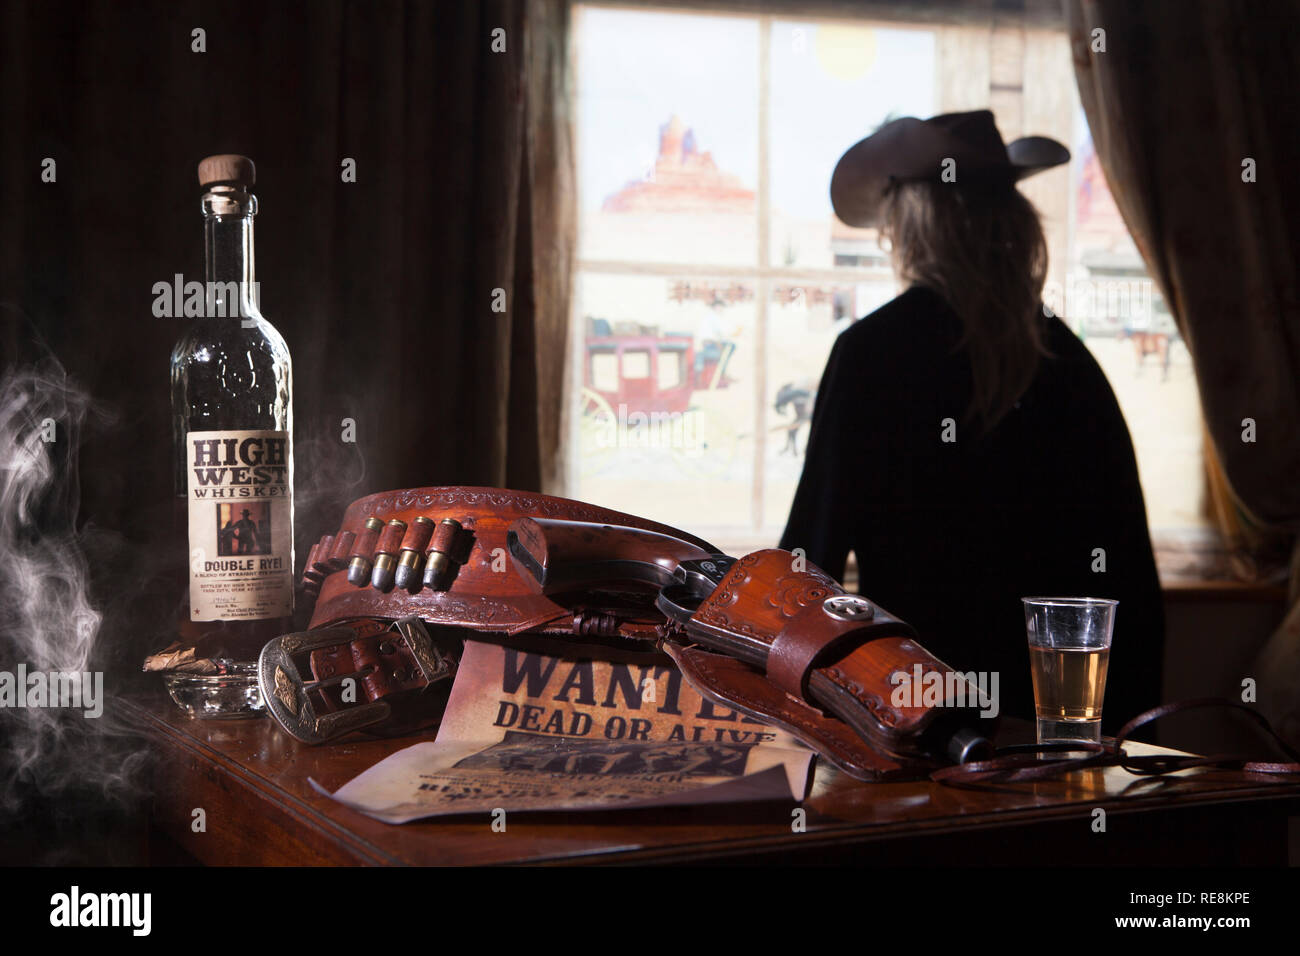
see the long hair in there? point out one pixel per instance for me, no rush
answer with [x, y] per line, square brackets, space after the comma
[984, 252]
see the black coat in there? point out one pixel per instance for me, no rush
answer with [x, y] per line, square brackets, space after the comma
[950, 535]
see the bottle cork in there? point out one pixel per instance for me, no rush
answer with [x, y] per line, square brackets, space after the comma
[227, 168]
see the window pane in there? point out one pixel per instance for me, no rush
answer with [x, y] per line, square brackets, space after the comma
[670, 362]
[676, 445]
[602, 369]
[636, 365]
[833, 84]
[803, 322]
[667, 137]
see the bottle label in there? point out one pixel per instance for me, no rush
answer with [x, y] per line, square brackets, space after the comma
[241, 525]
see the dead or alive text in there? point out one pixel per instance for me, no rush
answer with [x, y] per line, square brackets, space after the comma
[566, 723]
[574, 682]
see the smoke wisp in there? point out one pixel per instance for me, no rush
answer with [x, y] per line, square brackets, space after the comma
[49, 625]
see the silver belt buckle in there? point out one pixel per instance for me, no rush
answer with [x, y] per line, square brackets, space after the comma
[288, 694]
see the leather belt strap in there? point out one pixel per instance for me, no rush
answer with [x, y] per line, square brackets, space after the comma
[1022, 763]
[380, 664]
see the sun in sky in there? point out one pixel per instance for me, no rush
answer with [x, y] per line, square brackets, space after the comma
[845, 52]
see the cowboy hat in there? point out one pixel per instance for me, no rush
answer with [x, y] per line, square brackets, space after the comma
[914, 150]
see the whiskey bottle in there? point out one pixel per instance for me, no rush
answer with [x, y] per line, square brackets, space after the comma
[233, 420]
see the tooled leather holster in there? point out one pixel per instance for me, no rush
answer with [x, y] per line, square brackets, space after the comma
[410, 574]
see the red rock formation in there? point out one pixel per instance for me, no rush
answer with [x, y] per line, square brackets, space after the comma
[683, 180]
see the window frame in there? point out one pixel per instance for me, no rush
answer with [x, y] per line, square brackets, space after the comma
[762, 274]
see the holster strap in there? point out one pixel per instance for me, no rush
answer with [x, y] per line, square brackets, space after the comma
[813, 637]
[791, 620]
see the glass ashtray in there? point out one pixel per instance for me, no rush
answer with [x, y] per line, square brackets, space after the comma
[230, 695]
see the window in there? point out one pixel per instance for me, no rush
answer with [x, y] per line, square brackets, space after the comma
[603, 368]
[710, 260]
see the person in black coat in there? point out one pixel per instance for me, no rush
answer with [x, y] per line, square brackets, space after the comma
[965, 445]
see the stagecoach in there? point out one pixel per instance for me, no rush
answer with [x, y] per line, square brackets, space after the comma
[649, 389]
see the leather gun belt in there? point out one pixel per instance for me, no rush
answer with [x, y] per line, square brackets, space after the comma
[766, 634]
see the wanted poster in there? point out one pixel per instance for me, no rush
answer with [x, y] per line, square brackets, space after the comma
[528, 731]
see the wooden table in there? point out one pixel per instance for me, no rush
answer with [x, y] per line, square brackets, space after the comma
[251, 781]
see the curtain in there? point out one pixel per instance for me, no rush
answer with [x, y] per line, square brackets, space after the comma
[425, 304]
[1192, 106]
[552, 235]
